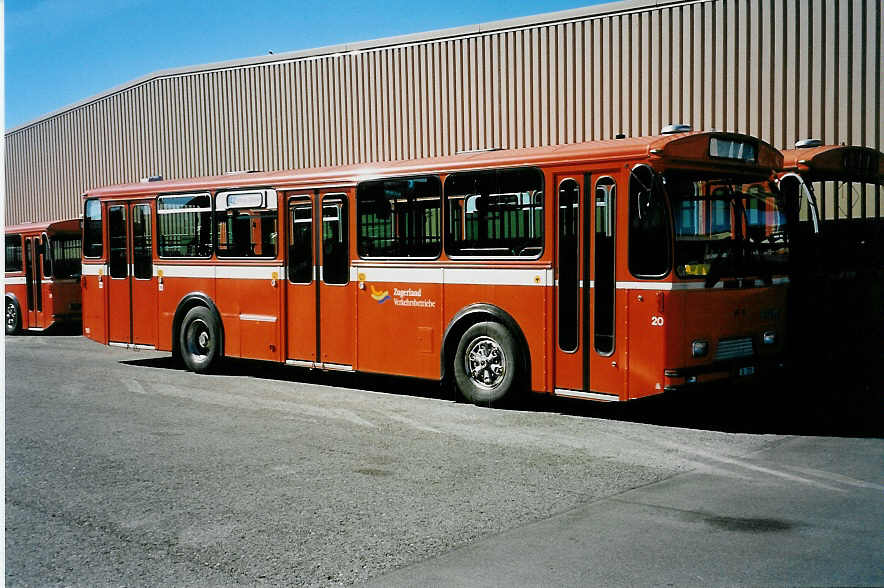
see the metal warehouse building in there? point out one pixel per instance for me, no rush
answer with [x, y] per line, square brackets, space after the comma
[779, 69]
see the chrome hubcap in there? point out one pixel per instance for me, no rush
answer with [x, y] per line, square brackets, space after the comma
[485, 362]
[198, 339]
[10, 314]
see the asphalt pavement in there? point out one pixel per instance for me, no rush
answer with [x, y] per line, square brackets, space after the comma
[124, 469]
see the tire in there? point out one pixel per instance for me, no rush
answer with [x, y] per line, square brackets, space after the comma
[199, 340]
[487, 364]
[13, 317]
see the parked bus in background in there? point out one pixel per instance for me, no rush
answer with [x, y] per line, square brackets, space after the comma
[609, 270]
[836, 203]
[42, 275]
[836, 195]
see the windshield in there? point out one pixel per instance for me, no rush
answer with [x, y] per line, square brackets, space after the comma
[726, 229]
[65, 251]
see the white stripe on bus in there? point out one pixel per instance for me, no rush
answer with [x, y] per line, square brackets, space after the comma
[682, 285]
[412, 275]
[242, 272]
[18, 280]
[531, 276]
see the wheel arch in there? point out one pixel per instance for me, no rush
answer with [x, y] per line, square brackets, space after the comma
[469, 316]
[14, 298]
[187, 302]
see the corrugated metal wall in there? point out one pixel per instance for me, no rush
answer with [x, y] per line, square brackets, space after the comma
[778, 69]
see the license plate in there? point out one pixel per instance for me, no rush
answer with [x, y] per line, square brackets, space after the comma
[746, 371]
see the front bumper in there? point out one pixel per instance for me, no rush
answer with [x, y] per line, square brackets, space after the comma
[737, 370]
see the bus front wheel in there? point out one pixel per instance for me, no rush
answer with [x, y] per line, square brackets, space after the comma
[198, 339]
[13, 317]
[486, 364]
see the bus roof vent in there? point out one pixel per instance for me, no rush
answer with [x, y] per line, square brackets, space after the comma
[483, 150]
[151, 179]
[675, 128]
[805, 143]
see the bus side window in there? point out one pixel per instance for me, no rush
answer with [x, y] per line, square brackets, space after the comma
[495, 213]
[92, 243]
[400, 217]
[65, 256]
[184, 225]
[649, 240]
[246, 224]
[13, 253]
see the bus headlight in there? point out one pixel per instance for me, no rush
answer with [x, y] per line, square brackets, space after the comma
[699, 348]
[769, 337]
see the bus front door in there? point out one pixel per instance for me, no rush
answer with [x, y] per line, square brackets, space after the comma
[569, 316]
[319, 295]
[131, 284]
[34, 284]
[586, 358]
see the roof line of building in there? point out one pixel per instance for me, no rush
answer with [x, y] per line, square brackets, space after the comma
[575, 14]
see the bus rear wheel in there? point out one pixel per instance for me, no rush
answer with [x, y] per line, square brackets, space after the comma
[486, 364]
[13, 318]
[198, 339]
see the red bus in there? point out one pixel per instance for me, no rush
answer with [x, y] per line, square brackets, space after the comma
[42, 275]
[609, 270]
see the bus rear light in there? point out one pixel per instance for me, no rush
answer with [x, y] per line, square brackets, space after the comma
[699, 348]
[769, 337]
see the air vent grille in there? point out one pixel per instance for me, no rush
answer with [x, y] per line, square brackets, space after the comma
[734, 348]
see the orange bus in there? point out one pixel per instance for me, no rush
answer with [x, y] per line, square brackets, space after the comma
[608, 270]
[42, 275]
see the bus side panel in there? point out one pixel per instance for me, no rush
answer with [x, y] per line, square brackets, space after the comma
[250, 310]
[174, 289]
[526, 304]
[227, 297]
[95, 302]
[399, 327]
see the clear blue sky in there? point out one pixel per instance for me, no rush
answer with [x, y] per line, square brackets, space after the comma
[61, 51]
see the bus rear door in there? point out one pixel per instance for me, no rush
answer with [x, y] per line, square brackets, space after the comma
[319, 300]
